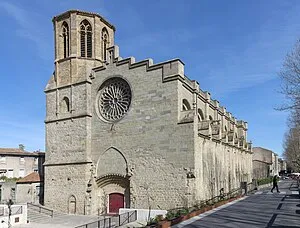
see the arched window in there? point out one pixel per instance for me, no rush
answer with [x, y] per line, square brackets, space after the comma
[65, 36]
[65, 105]
[185, 105]
[200, 115]
[225, 129]
[210, 117]
[235, 138]
[105, 42]
[86, 39]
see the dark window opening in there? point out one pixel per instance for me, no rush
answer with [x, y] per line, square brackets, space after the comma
[65, 35]
[105, 42]
[86, 41]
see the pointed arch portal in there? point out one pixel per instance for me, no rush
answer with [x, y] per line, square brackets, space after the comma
[116, 192]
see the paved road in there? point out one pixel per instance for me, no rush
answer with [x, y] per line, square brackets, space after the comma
[260, 209]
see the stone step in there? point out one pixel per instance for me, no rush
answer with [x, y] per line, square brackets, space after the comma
[34, 215]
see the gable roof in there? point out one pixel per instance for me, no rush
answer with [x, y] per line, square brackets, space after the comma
[20, 152]
[30, 178]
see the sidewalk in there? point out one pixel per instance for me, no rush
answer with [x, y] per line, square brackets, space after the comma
[260, 209]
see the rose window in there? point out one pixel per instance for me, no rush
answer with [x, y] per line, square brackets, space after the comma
[114, 99]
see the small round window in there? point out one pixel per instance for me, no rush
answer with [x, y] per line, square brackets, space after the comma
[114, 98]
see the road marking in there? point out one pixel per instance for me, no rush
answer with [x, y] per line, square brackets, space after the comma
[280, 193]
[295, 192]
[258, 193]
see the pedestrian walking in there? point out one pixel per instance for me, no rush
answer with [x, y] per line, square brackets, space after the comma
[275, 185]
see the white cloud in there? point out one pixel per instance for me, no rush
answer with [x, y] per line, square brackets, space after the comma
[29, 28]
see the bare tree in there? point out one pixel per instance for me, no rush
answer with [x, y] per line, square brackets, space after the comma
[292, 148]
[290, 79]
[290, 87]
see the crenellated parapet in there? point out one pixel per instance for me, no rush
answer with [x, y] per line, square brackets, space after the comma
[219, 125]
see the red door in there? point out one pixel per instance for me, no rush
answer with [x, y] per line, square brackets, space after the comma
[116, 201]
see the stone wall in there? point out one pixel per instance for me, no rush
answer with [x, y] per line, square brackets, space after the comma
[219, 166]
[8, 191]
[28, 193]
[148, 137]
[260, 169]
[266, 156]
[63, 182]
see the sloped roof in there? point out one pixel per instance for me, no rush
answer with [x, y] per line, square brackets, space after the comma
[11, 150]
[17, 151]
[30, 178]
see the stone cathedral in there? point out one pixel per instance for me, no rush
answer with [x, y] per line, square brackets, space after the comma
[127, 134]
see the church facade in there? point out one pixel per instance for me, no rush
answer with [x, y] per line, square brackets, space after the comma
[121, 133]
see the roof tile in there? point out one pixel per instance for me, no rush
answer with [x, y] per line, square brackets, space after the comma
[32, 177]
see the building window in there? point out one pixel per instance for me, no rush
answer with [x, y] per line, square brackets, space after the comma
[65, 105]
[22, 160]
[105, 43]
[65, 36]
[86, 39]
[10, 173]
[185, 105]
[2, 159]
[21, 172]
[3, 172]
[114, 99]
[36, 160]
[37, 190]
[200, 115]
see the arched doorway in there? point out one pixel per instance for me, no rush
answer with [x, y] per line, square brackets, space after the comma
[113, 193]
[72, 205]
[115, 202]
[113, 182]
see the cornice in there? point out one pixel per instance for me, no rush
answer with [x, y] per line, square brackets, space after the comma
[67, 118]
[83, 13]
[68, 163]
[66, 86]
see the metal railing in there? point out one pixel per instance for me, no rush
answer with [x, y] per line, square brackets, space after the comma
[103, 223]
[113, 221]
[15, 210]
[127, 217]
[41, 209]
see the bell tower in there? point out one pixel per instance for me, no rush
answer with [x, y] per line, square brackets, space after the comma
[81, 42]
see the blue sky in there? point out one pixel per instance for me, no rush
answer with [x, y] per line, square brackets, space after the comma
[234, 49]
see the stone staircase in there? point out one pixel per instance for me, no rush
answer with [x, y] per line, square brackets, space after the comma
[34, 215]
[42, 216]
[38, 213]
